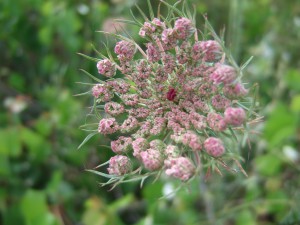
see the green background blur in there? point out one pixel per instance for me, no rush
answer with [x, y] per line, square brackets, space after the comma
[42, 174]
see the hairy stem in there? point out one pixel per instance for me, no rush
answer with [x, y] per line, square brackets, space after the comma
[207, 200]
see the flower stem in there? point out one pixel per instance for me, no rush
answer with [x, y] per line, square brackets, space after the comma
[207, 200]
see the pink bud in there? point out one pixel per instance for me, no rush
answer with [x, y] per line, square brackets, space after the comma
[211, 50]
[139, 145]
[192, 140]
[219, 102]
[106, 68]
[152, 159]
[129, 125]
[121, 145]
[214, 146]
[235, 91]
[235, 116]
[181, 168]
[183, 28]
[216, 122]
[147, 29]
[108, 126]
[153, 53]
[172, 151]
[102, 93]
[158, 23]
[125, 50]
[113, 108]
[119, 165]
[223, 74]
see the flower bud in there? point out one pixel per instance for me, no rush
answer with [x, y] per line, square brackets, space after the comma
[214, 146]
[129, 125]
[152, 159]
[183, 28]
[102, 93]
[192, 140]
[106, 68]
[235, 116]
[139, 145]
[181, 168]
[235, 91]
[125, 50]
[211, 50]
[121, 145]
[223, 74]
[113, 108]
[119, 165]
[172, 151]
[216, 122]
[108, 126]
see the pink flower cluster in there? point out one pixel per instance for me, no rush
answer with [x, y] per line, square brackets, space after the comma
[119, 165]
[178, 100]
[181, 168]
[106, 67]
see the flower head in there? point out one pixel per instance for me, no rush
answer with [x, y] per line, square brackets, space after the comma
[171, 106]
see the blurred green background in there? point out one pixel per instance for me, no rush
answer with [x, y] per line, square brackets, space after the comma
[42, 174]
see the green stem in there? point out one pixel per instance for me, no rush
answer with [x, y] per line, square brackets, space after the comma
[207, 200]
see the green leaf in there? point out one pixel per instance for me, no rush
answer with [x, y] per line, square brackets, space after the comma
[36, 144]
[295, 104]
[10, 143]
[91, 76]
[150, 10]
[4, 165]
[246, 63]
[173, 8]
[268, 165]
[98, 53]
[280, 125]
[142, 13]
[13, 215]
[134, 18]
[102, 174]
[122, 202]
[127, 22]
[88, 57]
[280, 201]
[245, 218]
[87, 138]
[292, 79]
[35, 209]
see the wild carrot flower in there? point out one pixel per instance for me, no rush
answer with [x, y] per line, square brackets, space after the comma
[171, 103]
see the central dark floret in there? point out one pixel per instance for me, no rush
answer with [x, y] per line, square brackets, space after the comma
[171, 94]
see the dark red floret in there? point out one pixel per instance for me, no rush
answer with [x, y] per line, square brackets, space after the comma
[171, 94]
